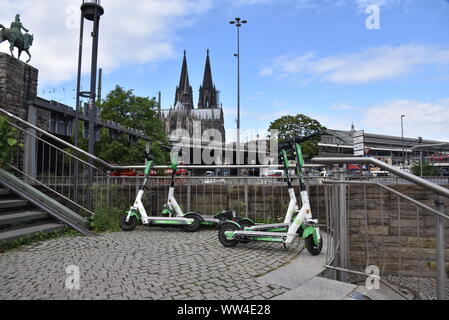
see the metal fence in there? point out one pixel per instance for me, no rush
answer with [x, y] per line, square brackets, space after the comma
[398, 230]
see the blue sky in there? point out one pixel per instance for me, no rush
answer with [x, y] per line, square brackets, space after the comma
[298, 56]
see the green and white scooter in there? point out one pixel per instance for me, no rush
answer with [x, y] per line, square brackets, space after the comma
[172, 208]
[303, 225]
[190, 222]
[172, 214]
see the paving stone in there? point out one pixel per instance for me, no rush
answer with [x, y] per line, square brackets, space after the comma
[173, 265]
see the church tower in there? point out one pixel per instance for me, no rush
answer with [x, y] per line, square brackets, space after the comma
[184, 93]
[209, 96]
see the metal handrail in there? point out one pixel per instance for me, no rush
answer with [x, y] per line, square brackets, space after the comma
[392, 191]
[55, 138]
[403, 174]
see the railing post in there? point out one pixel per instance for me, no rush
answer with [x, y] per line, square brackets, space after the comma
[189, 194]
[108, 188]
[440, 246]
[342, 205]
[246, 198]
[30, 154]
[335, 220]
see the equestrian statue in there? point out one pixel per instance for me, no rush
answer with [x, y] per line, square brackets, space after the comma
[16, 38]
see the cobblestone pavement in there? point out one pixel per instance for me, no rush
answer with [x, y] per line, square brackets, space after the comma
[151, 263]
[411, 287]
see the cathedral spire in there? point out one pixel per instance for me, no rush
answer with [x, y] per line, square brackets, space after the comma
[209, 96]
[207, 80]
[184, 83]
[184, 93]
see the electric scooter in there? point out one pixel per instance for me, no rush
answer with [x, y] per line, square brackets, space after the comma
[172, 213]
[204, 220]
[303, 225]
[190, 222]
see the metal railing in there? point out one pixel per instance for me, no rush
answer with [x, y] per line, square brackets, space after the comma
[398, 229]
[53, 165]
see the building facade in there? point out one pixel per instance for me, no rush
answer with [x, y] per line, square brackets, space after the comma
[195, 121]
[391, 149]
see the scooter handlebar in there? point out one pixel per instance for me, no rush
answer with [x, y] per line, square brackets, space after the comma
[148, 156]
[298, 140]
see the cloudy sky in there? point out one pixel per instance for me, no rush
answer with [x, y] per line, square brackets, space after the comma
[315, 57]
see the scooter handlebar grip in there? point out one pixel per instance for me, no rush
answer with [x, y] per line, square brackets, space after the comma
[148, 156]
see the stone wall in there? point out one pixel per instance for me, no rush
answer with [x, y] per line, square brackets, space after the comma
[398, 235]
[18, 85]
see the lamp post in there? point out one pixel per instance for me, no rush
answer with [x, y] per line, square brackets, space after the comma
[92, 11]
[403, 145]
[238, 23]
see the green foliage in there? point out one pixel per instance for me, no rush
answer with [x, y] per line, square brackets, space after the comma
[299, 125]
[106, 220]
[129, 111]
[8, 141]
[140, 113]
[428, 169]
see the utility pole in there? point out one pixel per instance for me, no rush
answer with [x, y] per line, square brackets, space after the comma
[238, 23]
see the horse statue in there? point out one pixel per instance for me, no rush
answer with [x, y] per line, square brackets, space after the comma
[22, 42]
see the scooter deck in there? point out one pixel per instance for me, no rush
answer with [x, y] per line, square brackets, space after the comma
[268, 226]
[210, 220]
[242, 233]
[168, 220]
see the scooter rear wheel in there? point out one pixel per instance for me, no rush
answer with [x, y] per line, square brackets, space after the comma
[312, 247]
[130, 225]
[222, 237]
[196, 224]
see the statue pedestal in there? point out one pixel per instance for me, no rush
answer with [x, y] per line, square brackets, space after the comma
[18, 85]
[18, 89]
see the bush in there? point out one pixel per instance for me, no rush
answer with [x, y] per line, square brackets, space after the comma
[106, 220]
[8, 140]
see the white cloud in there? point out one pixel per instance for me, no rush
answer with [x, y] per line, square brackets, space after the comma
[426, 119]
[144, 32]
[371, 65]
[341, 106]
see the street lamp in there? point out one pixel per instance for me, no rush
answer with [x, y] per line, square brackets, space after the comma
[238, 23]
[403, 146]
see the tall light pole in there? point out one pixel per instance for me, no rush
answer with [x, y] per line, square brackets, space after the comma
[403, 145]
[238, 23]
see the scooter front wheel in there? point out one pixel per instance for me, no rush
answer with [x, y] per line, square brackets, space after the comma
[130, 225]
[312, 247]
[222, 236]
[244, 224]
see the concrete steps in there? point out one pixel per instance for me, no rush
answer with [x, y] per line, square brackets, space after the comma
[302, 277]
[20, 219]
[13, 203]
[14, 218]
[11, 235]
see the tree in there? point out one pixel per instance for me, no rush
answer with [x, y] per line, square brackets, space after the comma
[299, 125]
[428, 169]
[130, 111]
[140, 113]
